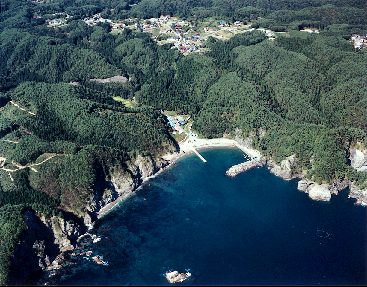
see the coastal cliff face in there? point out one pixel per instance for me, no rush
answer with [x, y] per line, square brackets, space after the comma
[48, 239]
[120, 181]
[358, 160]
[41, 244]
[358, 157]
[65, 232]
[360, 194]
[114, 178]
[287, 169]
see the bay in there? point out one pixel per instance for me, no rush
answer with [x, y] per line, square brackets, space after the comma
[252, 229]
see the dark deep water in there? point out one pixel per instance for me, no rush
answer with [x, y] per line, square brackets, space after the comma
[252, 229]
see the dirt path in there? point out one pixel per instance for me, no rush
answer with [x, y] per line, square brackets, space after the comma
[10, 141]
[20, 167]
[23, 109]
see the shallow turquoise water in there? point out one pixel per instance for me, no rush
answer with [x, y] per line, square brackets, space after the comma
[251, 229]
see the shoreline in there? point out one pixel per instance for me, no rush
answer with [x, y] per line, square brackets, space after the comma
[186, 148]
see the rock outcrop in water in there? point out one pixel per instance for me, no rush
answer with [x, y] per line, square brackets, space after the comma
[176, 277]
[315, 191]
[321, 192]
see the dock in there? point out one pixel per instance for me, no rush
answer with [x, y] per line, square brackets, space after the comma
[198, 154]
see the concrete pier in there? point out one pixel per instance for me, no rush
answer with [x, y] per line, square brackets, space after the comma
[199, 155]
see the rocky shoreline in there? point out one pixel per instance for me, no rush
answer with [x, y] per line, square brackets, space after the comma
[49, 241]
[167, 161]
[64, 233]
[287, 169]
[359, 194]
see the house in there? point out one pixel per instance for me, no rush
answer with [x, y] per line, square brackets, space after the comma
[359, 41]
[118, 25]
[223, 23]
[139, 27]
[178, 27]
[172, 122]
[311, 30]
[56, 22]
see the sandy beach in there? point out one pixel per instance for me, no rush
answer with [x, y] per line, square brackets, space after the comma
[197, 143]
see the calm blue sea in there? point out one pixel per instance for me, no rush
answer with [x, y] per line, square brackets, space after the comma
[252, 229]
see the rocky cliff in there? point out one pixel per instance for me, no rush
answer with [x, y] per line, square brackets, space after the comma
[358, 160]
[48, 239]
[287, 169]
[120, 181]
[41, 244]
[358, 157]
[360, 194]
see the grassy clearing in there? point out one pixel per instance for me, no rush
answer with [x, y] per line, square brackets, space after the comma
[128, 103]
[170, 113]
[179, 137]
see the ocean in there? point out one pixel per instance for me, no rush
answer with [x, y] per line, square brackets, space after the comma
[252, 229]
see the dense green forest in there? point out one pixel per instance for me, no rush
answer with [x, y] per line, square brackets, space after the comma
[303, 94]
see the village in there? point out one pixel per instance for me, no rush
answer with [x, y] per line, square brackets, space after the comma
[180, 125]
[185, 35]
[58, 20]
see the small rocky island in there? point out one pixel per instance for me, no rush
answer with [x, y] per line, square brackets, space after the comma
[176, 277]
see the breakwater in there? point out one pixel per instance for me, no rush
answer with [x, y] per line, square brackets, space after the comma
[242, 167]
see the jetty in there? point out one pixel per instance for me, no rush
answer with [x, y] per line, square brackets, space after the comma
[238, 168]
[198, 154]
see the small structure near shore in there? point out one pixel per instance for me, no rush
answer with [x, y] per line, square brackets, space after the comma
[176, 277]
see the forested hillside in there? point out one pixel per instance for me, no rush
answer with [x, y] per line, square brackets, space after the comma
[303, 94]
